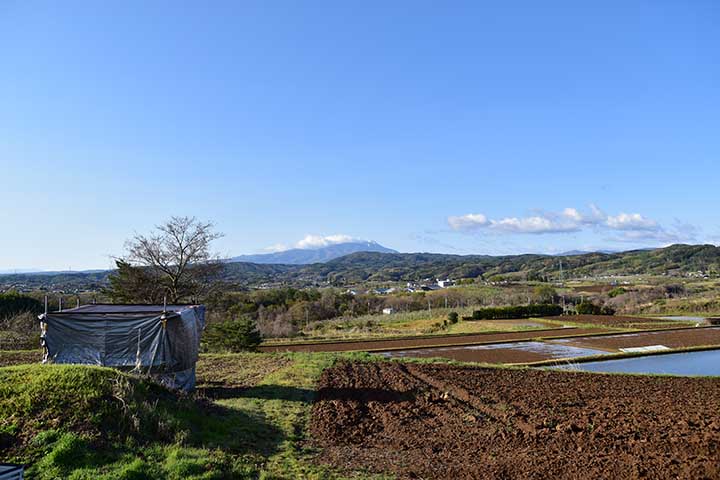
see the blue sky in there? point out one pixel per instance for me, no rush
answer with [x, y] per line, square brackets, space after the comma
[459, 127]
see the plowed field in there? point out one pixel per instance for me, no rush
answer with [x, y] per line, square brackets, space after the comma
[442, 421]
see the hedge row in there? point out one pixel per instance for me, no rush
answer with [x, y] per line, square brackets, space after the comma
[588, 308]
[13, 303]
[521, 311]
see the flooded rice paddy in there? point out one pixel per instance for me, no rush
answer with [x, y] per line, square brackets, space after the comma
[705, 363]
[683, 318]
[513, 352]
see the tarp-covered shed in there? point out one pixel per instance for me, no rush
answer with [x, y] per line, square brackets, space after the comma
[161, 341]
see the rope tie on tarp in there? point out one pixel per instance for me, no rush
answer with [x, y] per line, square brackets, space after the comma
[138, 358]
[43, 337]
[163, 321]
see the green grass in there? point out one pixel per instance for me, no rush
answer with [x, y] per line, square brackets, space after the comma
[284, 398]
[82, 422]
[90, 422]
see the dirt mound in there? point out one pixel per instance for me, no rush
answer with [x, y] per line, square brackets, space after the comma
[96, 402]
[441, 421]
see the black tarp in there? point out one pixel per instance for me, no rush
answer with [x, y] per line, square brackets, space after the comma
[161, 341]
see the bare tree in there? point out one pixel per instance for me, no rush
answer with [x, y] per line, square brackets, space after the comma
[178, 256]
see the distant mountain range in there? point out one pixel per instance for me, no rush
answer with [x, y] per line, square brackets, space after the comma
[583, 252]
[20, 270]
[38, 271]
[366, 266]
[307, 256]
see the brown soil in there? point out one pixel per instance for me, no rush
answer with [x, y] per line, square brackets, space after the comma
[223, 376]
[619, 321]
[441, 421]
[690, 337]
[594, 288]
[368, 345]
[495, 355]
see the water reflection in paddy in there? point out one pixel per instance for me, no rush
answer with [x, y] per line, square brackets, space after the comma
[683, 318]
[687, 363]
[549, 350]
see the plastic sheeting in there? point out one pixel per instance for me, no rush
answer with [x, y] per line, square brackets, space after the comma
[142, 338]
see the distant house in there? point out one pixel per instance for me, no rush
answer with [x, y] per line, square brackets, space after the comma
[445, 283]
[384, 291]
[388, 311]
[431, 288]
[413, 287]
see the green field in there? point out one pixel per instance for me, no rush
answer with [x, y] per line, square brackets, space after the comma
[247, 420]
[422, 322]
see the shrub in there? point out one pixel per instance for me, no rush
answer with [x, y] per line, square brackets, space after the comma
[13, 303]
[20, 331]
[589, 308]
[616, 291]
[521, 311]
[452, 318]
[232, 336]
[545, 293]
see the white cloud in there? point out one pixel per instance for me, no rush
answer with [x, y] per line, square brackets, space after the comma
[535, 224]
[631, 221]
[679, 232]
[313, 241]
[573, 215]
[278, 247]
[567, 221]
[317, 241]
[468, 222]
[594, 217]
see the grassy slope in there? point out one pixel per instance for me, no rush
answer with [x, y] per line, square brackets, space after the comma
[80, 422]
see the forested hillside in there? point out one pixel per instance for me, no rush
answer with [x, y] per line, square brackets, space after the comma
[385, 267]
